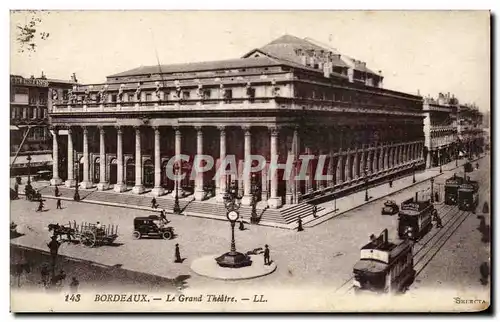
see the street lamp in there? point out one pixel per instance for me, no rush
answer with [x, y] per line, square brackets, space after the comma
[366, 184]
[254, 218]
[413, 168]
[76, 196]
[177, 208]
[29, 169]
[233, 259]
[432, 190]
[440, 163]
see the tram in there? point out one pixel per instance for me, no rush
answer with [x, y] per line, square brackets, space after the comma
[415, 218]
[451, 189]
[468, 195]
[384, 266]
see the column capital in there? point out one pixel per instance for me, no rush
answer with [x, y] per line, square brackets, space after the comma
[54, 128]
[85, 130]
[118, 129]
[177, 130]
[274, 130]
[198, 128]
[246, 129]
[101, 129]
[221, 127]
[137, 128]
[156, 128]
[69, 129]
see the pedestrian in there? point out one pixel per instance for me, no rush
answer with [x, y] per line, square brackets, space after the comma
[486, 208]
[40, 206]
[56, 191]
[73, 286]
[315, 210]
[436, 196]
[437, 219]
[58, 204]
[44, 272]
[390, 183]
[98, 225]
[178, 258]
[299, 224]
[242, 226]
[16, 188]
[54, 249]
[154, 205]
[267, 256]
[163, 218]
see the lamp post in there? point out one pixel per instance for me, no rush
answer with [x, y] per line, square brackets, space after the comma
[440, 162]
[29, 170]
[254, 218]
[233, 259]
[177, 208]
[432, 190]
[335, 203]
[456, 154]
[413, 168]
[76, 196]
[366, 184]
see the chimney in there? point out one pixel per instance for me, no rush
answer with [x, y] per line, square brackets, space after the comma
[385, 234]
[303, 59]
[43, 76]
[327, 68]
[73, 78]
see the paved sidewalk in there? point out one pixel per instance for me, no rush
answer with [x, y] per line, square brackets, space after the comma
[357, 199]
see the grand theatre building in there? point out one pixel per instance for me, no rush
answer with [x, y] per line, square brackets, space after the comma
[292, 97]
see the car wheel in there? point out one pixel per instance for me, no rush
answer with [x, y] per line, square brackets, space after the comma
[167, 235]
[136, 234]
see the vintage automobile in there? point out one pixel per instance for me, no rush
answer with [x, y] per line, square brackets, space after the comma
[390, 208]
[43, 175]
[151, 226]
[468, 195]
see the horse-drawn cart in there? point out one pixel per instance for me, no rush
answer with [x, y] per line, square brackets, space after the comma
[88, 234]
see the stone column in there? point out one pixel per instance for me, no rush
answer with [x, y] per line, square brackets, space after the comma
[296, 151]
[158, 189]
[330, 169]
[138, 188]
[339, 170]
[199, 193]
[309, 180]
[55, 158]
[375, 161]
[220, 184]
[355, 165]
[85, 184]
[247, 181]
[362, 162]
[103, 184]
[381, 159]
[274, 200]
[264, 182]
[120, 185]
[70, 182]
[386, 158]
[369, 162]
[178, 142]
[348, 166]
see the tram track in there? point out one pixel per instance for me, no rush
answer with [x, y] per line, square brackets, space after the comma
[446, 218]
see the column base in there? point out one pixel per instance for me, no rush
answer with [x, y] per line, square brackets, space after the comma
[274, 203]
[263, 196]
[246, 200]
[199, 195]
[70, 183]
[101, 186]
[288, 198]
[138, 189]
[158, 191]
[55, 181]
[85, 184]
[120, 187]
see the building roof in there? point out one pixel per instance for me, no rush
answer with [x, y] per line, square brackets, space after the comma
[285, 48]
[200, 66]
[60, 81]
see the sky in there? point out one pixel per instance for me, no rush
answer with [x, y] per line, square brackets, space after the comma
[425, 51]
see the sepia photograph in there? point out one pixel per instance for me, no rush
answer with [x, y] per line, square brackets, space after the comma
[250, 161]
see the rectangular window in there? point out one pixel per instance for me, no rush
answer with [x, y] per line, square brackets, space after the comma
[148, 97]
[207, 93]
[228, 94]
[65, 94]
[113, 98]
[185, 95]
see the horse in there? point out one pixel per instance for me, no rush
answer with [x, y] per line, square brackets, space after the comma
[60, 230]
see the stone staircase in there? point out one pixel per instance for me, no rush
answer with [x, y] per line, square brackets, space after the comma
[291, 214]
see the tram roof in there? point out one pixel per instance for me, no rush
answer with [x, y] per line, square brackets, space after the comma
[372, 266]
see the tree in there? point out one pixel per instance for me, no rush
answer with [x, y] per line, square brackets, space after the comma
[28, 34]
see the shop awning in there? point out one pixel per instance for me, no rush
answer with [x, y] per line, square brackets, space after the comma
[14, 128]
[37, 160]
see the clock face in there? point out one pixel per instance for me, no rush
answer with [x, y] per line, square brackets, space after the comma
[233, 215]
